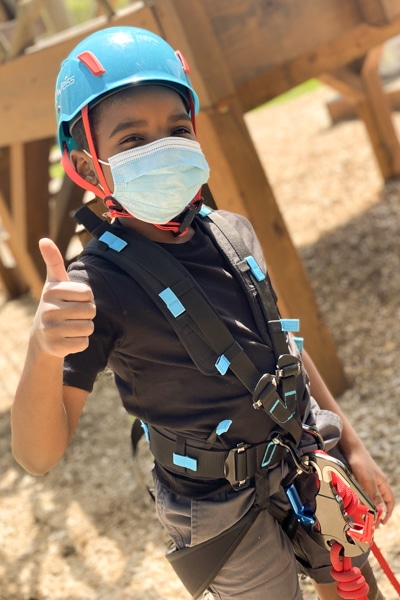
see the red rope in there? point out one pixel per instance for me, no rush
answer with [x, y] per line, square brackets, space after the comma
[351, 582]
[385, 568]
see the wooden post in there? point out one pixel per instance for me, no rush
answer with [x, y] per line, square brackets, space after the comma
[375, 112]
[25, 263]
[10, 274]
[30, 177]
[238, 181]
[360, 82]
[377, 12]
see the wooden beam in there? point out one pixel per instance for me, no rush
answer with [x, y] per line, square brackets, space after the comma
[27, 82]
[9, 273]
[28, 12]
[268, 82]
[238, 181]
[341, 108]
[18, 187]
[375, 112]
[37, 196]
[27, 267]
[10, 277]
[69, 198]
[364, 88]
[345, 81]
[340, 51]
[378, 12]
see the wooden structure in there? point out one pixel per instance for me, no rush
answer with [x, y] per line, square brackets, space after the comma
[242, 53]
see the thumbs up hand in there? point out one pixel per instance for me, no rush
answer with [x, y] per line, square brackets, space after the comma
[64, 318]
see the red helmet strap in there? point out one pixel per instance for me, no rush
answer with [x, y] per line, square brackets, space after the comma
[93, 152]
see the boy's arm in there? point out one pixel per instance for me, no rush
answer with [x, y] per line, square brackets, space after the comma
[364, 468]
[45, 413]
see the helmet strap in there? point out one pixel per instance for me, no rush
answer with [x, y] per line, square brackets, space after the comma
[93, 152]
[180, 225]
[76, 178]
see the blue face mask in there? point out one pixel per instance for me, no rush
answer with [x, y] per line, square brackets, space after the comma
[156, 182]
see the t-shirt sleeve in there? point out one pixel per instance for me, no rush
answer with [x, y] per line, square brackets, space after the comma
[81, 369]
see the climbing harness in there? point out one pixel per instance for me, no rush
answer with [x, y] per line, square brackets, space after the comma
[330, 521]
[188, 310]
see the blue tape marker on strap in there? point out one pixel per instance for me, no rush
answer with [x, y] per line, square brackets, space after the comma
[254, 268]
[290, 324]
[172, 301]
[223, 426]
[204, 211]
[184, 461]
[113, 241]
[222, 364]
[299, 343]
[146, 430]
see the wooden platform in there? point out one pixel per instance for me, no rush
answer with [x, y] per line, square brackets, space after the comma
[242, 53]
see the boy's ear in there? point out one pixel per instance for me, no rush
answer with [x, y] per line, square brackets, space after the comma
[83, 165]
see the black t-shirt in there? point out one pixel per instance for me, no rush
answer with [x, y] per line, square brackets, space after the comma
[156, 378]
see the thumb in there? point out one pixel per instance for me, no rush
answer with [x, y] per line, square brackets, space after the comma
[54, 261]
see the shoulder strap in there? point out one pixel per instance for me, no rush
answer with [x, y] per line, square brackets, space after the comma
[254, 281]
[185, 306]
[261, 298]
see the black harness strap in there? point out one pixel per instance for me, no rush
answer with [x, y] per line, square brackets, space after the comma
[187, 308]
[184, 304]
[253, 281]
[196, 574]
[257, 287]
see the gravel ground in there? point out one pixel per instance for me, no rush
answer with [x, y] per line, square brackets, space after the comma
[87, 531]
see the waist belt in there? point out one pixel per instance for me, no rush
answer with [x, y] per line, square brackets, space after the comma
[236, 465]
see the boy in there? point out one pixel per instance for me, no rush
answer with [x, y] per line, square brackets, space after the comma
[125, 109]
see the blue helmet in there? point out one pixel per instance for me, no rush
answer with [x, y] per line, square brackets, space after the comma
[110, 59]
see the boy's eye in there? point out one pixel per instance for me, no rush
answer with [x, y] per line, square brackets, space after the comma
[181, 131]
[132, 139]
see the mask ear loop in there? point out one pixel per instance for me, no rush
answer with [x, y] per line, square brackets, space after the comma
[198, 196]
[76, 178]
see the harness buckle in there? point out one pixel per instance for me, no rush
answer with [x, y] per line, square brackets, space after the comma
[265, 391]
[235, 467]
[288, 366]
[301, 463]
[354, 533]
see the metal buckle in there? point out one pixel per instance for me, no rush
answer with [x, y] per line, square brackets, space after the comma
[265, 388]
[288, 366]
[333, 523]
[300, 462]
[235, 467]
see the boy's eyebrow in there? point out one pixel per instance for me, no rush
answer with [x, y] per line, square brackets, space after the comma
[127, 125]
[142, 122]
[180, 117]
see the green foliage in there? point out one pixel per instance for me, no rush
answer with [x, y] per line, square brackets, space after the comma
[83, 10]
[299, 90]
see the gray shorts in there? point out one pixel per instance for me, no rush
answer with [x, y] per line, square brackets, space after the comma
[266, 563]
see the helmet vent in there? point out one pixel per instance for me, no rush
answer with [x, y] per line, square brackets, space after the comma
[91, 62]
[184, 62]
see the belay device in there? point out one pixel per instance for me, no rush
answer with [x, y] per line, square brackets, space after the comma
[184, 305]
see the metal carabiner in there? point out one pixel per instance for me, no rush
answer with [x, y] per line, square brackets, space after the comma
[300, 462]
